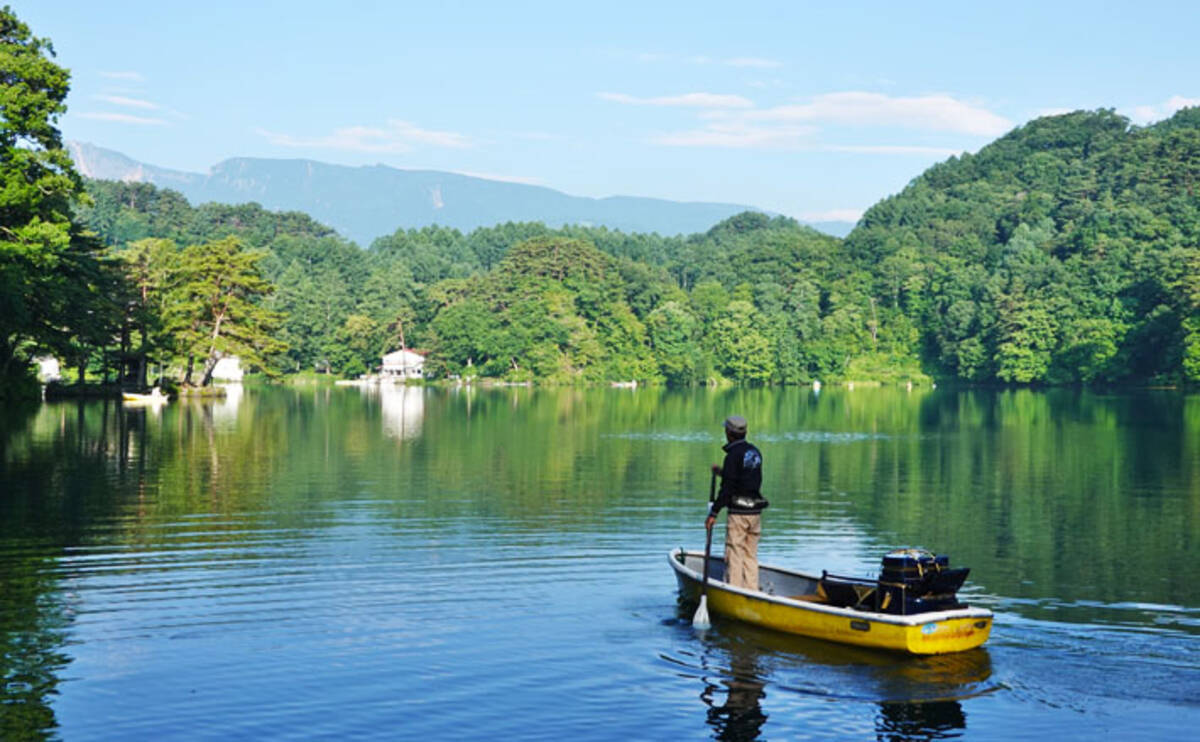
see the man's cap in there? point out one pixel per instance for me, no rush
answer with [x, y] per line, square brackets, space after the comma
[736, 424]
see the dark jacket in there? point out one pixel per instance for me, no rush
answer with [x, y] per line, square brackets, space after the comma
[741, 480]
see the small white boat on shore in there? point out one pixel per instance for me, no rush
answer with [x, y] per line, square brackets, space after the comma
[155, 397]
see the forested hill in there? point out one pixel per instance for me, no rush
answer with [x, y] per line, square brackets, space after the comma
[753, 299]
[1068, 250]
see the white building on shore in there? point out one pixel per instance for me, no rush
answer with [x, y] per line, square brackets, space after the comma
[403, 364]
[228, 368]
[48, 369]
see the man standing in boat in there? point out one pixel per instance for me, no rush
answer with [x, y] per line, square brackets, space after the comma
[741, 482]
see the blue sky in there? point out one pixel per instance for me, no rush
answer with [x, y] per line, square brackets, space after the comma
[796, 107]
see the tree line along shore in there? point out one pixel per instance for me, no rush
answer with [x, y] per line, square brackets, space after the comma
[1065, 252]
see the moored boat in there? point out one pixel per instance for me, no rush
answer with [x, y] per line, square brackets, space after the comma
[882, 614]
[154, 397]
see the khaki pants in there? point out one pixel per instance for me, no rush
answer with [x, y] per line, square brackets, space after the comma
[741, 550]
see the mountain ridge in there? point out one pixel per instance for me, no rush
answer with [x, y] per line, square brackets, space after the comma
[369, 201]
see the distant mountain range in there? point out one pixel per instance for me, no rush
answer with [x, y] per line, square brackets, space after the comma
[363, 203]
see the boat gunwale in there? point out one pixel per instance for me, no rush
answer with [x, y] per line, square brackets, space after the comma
[916, 619]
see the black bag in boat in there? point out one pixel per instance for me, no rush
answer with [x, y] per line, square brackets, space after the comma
[917, 581]
[893, 600]
[911, 565]
[912, 581]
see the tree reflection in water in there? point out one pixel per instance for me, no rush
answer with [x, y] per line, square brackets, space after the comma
[40, 495]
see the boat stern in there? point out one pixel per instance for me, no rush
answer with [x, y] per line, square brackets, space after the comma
[949, 634]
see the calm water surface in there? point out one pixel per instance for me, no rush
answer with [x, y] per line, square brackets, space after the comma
[491, 564]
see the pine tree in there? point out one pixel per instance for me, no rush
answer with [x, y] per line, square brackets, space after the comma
[215, 311]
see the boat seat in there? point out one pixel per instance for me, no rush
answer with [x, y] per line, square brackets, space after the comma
[846, 592]
[815, 597]
[809, 598]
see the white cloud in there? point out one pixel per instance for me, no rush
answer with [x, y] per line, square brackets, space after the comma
[1150, 113]
[929, 112]
[120, 100]
[742, 135]
[135, 76]
[689, 100]
[732, 121]
[409, 132]
[398, 136]
[1177, 102]
[123, 118]
[1144, 114]
[833, 215]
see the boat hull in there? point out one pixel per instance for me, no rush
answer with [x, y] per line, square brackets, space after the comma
[778, 607]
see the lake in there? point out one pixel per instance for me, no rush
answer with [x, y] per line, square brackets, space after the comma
[410, 563]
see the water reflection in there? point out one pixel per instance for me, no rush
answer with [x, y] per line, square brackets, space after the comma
[32, 635]
[39, 499]
[403, 410]
[740, 717]
[929, 720]
[225, 410]
[138, 547]
[751, 675]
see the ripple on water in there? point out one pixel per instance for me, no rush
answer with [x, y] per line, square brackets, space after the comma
[799, 436]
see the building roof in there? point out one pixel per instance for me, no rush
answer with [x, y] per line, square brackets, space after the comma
[403, 358]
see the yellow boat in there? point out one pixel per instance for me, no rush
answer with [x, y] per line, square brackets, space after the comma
[799, 603]
[155, 397]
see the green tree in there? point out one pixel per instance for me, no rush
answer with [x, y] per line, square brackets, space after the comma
[54, 288]
[674, 331]
[742, 353]
[358, 345]
[215, 309]
[1191, 349]
[464, 336]
[1188, 287]
[1026, 339]
[1087, 351]
[147, 266]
